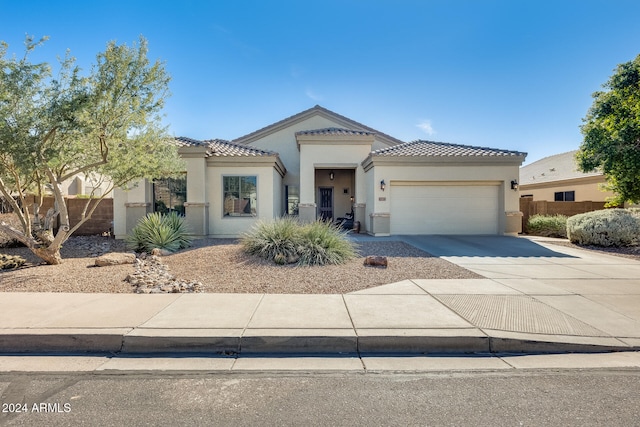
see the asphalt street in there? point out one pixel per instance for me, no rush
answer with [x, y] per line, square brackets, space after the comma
[491, 398]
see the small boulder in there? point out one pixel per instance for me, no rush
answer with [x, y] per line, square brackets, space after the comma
[160, 252]
[376, 261]
[115, 258]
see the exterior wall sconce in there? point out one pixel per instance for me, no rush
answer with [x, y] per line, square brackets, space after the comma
[514, 185]
[352, 199]
[331, 175]
[382, 185]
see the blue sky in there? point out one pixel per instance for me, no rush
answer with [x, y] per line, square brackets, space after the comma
[508, 74]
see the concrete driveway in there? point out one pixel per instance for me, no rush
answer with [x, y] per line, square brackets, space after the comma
[505, 257]
[482, 246]
[598, 289]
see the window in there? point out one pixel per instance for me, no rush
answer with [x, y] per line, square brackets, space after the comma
[292, 196]
[240, 195]
[564, 196]
[169, 195]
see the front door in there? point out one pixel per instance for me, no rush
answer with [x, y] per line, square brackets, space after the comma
[326, 203]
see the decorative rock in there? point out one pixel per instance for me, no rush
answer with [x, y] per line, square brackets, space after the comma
[115, 258]
[160, 252]
[376, 261]
[151, 276]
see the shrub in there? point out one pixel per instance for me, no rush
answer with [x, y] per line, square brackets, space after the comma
[279, 240]
[610, 227]
[8, 262]
[286, 240]
[547, 225]
[325, 243]
[634, 211]
[160, 231]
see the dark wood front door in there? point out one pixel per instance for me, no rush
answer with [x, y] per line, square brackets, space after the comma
[325, 198]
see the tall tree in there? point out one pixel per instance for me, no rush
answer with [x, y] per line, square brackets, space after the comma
[105, 125]
[611, 132]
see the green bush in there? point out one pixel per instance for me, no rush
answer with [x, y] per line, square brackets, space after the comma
[8, 262]
[609, 227]
[160, 231]
[547, 225]
[286, 241]
[325, 243]
[279, 240]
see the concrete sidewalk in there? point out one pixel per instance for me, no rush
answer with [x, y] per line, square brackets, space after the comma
[535, 297]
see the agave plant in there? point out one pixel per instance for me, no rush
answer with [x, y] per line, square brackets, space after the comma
[277, 240]
[162, 231]
[286, 241]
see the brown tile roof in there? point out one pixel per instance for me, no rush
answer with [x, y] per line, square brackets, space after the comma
[442, 149]
[222, 148]
[334, 131]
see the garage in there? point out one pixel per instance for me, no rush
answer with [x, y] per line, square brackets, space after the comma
[444, 208]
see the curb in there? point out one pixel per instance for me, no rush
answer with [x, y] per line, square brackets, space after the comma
[203, 342]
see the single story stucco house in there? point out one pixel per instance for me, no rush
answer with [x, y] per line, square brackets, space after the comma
[319, 164]
[557, 178]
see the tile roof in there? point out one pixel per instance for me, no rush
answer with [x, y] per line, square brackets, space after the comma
[222, 148]
[558, 167]
[334, 131]
[422, 148]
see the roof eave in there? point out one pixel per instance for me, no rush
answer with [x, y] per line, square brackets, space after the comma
[193, 152]
[248, 161]
[372, 160]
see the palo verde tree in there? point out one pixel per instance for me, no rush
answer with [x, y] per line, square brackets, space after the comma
[611, 133]
[105, 125]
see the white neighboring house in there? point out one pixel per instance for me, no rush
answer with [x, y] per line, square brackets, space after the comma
[319, 164]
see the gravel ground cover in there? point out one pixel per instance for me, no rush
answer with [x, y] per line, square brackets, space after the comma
[221, 266]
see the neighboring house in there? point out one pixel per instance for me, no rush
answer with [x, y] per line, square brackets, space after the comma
[319, 164]
[557, 178]
[87, 185]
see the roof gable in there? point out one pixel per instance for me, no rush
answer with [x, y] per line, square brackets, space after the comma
[345, 123]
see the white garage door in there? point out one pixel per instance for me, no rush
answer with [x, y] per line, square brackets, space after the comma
[444, 209]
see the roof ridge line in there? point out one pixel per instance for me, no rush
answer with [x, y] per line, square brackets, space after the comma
[320, 109]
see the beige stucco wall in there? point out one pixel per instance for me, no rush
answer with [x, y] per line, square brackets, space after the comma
[586, 189]
[84, 184]
[335, 157]
[284, 143]
[379, 202]
[268, 195]
[131, 205]
[459, 172]
[196, 179]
